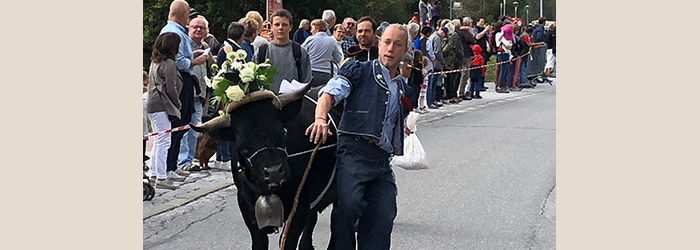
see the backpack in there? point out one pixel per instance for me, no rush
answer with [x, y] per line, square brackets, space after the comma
[296, 51]
[519, 46]
[524, 48]
[449, 54]
[492, 48]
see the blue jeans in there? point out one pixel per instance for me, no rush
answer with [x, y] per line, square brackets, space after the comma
[432, 83]
[188, 145]
[223, 152]
[505, 77]
[366, 190]
[474, 88]
[522, 74]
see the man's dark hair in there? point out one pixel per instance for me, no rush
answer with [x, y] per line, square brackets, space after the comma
[166, 46]
[426, 30]
[367, 18]
[481, 17]
[529, 30]
[282, 13]
[542, 20]
[235, 30]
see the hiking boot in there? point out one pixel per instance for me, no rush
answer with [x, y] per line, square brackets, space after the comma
[165, 184]
[181, 172]
[174, 176]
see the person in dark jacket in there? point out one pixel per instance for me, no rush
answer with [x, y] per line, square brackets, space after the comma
[468, 41]
[366, 49]
[302, 32]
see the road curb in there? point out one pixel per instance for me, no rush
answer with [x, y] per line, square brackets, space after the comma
[187, 198]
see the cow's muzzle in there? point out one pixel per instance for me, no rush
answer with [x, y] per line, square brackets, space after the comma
[274, 176]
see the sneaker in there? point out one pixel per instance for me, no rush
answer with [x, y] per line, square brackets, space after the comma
[478, 97]
[502, 90]
[181, 172]
[165, 184]
[515, 89]
[174, 176]
[432, 106]
[152, 180]
[445, 102]
[438, 104]
[467, 97]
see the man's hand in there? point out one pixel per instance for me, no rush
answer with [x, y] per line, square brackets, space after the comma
[407, 131]
[318, 131]
[197, 53]
[199, 60]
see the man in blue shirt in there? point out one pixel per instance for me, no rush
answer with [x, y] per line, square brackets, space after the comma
[178, 18]
[323, 53]
[370, 131]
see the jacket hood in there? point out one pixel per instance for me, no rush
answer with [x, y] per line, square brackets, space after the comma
[507, 32]
[477, 49]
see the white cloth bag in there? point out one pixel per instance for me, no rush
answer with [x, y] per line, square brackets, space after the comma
[414, 157]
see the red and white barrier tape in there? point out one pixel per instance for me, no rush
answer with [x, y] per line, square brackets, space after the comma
[170, 130]
[470, 68]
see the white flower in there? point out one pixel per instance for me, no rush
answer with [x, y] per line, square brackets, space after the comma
[264, 65]
[242, 54]
[261, 77]
[237, 65]
[231, 55]
[251, 65]
[247, 75]
[215, 82]
[235, 93]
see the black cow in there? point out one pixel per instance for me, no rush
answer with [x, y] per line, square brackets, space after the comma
[263, 127]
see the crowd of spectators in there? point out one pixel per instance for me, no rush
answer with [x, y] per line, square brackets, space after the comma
[445, 65]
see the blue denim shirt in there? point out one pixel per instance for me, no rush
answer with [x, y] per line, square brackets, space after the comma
[184, 54]
[248, 47]
[372, 105]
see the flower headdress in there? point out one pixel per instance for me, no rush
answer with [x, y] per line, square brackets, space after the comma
[236, 78]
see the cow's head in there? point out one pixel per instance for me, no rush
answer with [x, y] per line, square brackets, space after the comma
[255, 124]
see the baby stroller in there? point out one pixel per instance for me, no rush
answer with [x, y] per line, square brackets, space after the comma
[148, 191]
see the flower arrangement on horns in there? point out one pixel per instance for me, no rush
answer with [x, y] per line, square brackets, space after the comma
[236, 78]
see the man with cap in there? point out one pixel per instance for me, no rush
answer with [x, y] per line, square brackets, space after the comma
[434, 46]
[193, 14]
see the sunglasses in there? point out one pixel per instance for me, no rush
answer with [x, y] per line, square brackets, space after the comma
[351, 24]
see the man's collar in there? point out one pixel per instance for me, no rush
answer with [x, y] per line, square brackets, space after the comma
[233, 42]
[176, 24]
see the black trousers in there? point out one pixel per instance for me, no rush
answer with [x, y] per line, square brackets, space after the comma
[174, 150]
[319, 78]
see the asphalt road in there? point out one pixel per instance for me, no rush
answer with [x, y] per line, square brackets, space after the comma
[491, 185]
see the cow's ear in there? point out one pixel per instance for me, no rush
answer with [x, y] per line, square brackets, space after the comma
[291, 110]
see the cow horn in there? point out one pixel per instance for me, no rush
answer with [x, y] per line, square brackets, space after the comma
[254, 96]
[218, 122]
[286, 98]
